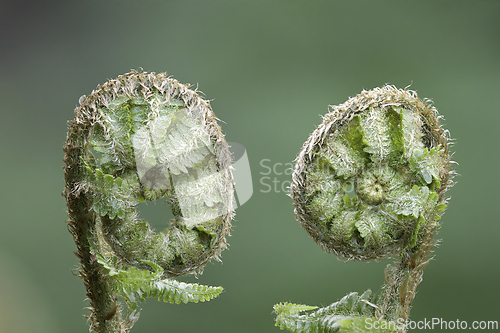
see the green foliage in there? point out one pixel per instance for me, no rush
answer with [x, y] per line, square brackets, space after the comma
[350, 314]
[377, 134]
[343, 158]
[290, 309]
[112, 196]
[415, 203]
[135, 285]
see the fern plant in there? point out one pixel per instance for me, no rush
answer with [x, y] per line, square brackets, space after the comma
[145, 136]
[389, 146]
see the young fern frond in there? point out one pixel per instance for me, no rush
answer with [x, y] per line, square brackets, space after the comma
[350, 314]
[135, 285]
[389, 146]
[290, 309]
[145, 136]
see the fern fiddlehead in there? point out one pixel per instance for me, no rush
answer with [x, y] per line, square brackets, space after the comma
[386, 145]
[145, 136]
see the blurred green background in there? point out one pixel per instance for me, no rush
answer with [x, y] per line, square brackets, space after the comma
[270, 68]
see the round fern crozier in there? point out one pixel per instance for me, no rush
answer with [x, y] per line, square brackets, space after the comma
[145, 136]
[372, 176]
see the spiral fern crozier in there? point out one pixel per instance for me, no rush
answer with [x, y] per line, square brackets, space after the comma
[369, 183]
[388, 148]
[145, 136]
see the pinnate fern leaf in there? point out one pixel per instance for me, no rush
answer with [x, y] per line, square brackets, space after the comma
[352, 313]
[377, 134]
[415, 203]
[135, 285]
[289, 309]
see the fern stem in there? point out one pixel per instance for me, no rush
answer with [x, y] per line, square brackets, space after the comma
[403, 278]
[82, 226]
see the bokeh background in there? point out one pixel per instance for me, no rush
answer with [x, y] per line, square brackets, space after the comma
[271, 68]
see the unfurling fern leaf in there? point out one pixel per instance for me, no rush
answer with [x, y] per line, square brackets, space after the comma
[145, 136]
[388, 146]
[135, 285]
[352, 313]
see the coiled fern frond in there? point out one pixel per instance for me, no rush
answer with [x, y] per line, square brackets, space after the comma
[388, 147]
[145, 136]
